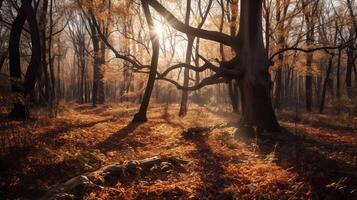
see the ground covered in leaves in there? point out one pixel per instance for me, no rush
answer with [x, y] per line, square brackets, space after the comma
[314, 158]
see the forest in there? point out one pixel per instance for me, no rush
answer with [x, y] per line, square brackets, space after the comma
[178, 99]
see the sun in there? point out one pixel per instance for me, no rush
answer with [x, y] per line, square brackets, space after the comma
[160, 30]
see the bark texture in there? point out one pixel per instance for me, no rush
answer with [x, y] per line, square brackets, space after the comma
[255, 86]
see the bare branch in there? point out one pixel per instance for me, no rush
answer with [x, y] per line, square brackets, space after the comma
[214, 79]
[197, 32]
[341, 46]
[116, 53]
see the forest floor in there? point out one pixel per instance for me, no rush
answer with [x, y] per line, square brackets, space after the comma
[315, 158]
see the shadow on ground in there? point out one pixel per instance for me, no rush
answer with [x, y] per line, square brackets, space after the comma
[61, 171]
[115, 140]
[329, 178]
[212, 174]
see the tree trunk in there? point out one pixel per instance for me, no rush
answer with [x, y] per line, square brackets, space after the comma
[44, 74]
[308, 84]
[141, 115]
[250, 66]
[190, 40]
[20, 109]
[58, 88]
[322, 104]
[96, 65]
[33, 69]
[338, 91]
[350, 60]
[197, 64]
[233, 92]
[53, 112]
[2, 61]
[14, 49]
[101, 91]
[82, 64]
[278, 84]
[255, 86]
[184, 99]
[278, 95]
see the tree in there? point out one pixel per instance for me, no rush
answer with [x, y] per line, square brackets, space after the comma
[310, 8]
[77, 33]
[141, 115]
[190, 41]
[249, 67]
[98, 62]
[350, 50]
[98, 24]
[26, 12]
[281, 15]
[233, 88]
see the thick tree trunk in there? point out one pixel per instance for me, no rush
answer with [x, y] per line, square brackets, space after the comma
[20, 109]
[33, 69]
[255, 86]
[14, 49]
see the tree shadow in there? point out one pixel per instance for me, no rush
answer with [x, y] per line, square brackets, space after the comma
[213, 173]
[166, 116]
[116, 140]
[52, 135]
[7, 123]
[329, 178]
[315, 121]
[53, 173]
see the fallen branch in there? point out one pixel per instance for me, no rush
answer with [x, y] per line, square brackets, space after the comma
[115, 170]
